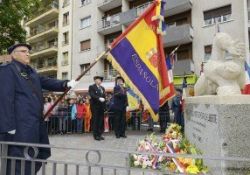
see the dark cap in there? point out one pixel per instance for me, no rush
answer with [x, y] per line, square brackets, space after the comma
[119, 77]
[179, 90]
[11, 48]
[98, 77]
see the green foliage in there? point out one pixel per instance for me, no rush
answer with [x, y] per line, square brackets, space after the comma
[12, 12]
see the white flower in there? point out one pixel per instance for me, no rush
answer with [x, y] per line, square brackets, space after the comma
[161, 158]
[135, 156]
[149, 163]
[136, 163]
[144, 164]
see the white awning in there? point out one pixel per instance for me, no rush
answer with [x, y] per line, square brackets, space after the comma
[83, 87]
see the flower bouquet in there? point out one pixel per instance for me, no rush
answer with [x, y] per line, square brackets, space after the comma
[172, 142]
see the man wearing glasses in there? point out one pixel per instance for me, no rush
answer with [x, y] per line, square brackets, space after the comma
[21, 112]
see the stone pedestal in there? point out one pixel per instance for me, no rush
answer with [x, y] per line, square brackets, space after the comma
[220, 127]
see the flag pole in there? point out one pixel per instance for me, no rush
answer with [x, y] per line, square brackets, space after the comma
[175, 49]
[77, 79]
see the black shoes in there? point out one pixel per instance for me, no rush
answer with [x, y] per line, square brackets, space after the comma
[118, 136]
[124, 136]
[150, 130]
[99, 138]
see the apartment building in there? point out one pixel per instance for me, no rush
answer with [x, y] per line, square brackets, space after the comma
[65, 24]
[87, 27]
[42, 30]
[98, 23]
[229, 16]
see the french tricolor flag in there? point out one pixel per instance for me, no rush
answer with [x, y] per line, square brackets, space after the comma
[246, 90]
[170, 59]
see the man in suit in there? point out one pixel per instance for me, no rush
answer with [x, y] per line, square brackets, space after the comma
[21, 112]
[97, 106]
[119, 107]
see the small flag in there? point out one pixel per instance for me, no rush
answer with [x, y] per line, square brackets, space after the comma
[184, 95]
[247, 84]
[133, 100]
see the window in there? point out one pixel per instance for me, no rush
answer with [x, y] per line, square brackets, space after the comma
[208, 52]
[51, 62]
[65, 59]
[218, 15]
[85, 22]
[64, 75]
[52, 43]
[83, 67]
[65, 38]
[66, 19]
[182, 54]
[85, 2]
[85, 45]
[65, 3]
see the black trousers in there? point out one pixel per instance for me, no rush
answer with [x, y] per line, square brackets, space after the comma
[97, 121]
[164, 119]
[120, 122]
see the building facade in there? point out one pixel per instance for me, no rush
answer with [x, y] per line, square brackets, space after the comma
[42, 35]
[87, 27]
[65, 50]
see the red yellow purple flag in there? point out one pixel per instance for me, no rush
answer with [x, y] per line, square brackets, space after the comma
[138, 55]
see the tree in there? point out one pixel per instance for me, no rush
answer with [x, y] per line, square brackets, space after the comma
[12, 12]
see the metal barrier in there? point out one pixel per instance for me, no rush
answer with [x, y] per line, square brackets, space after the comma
[57, 124]
[84, 161]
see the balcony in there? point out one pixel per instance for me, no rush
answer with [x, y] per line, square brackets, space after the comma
[131, 15]
[46, 67]
[47, 14]
[44, 50]
[176, 35]
[183, 67]
[109, 25]
[106, 5]
[173, 7]
[110, 74]
[43, 33]
[178, 6]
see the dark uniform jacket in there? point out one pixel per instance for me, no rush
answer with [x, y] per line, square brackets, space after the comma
[21, 105]
[95, 93]
[120, 99]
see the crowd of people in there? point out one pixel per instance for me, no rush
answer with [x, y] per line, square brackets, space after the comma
[73, 115]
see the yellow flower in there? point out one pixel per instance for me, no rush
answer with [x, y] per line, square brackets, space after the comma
[192, 169]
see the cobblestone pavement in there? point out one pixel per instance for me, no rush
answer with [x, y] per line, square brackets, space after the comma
[86, 142]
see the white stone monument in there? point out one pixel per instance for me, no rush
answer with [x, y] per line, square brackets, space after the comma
[217, 119]
[224, 73]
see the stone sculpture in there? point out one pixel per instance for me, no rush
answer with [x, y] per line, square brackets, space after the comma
[224, 73]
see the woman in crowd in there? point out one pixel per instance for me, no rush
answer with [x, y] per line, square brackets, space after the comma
[80, 115]
[87, 116]
[62, 112]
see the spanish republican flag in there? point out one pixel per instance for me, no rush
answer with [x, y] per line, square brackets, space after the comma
[138, 55]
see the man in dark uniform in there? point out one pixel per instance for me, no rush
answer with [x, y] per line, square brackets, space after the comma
[164, 117]
[21, 112]
[119, 107]
[97, 106]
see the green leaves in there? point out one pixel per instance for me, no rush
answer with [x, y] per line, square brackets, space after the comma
[12, 12]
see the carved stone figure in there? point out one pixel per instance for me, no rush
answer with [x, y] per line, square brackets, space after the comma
[224, 73]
